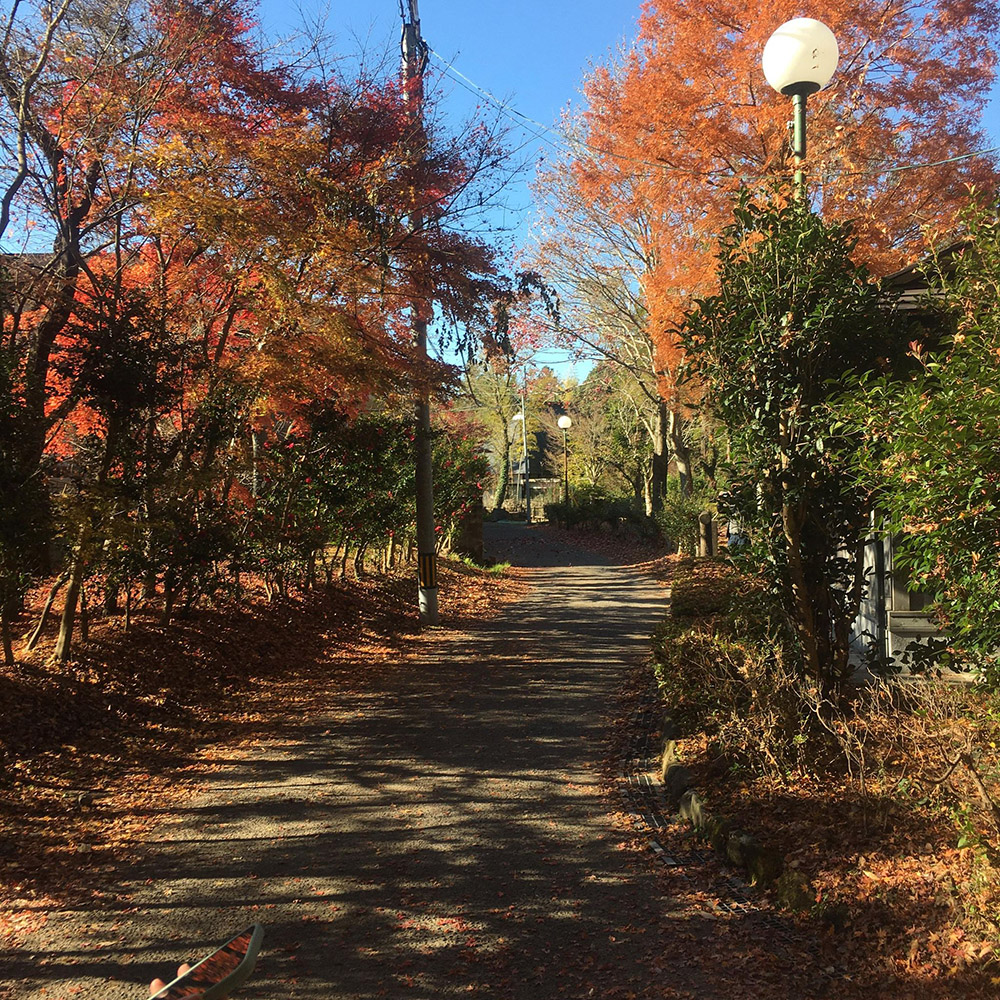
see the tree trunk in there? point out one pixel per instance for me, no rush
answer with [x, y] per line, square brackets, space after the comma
[681, 452]
[805, 619]
[168, 597]
[503, 482]
[658, 466]
[5, 622]
[254, 480]
[84, 615]
[111, 593]
[639, 491]
[53, 590]
[359, 561]
[146, 514]
[64, 642]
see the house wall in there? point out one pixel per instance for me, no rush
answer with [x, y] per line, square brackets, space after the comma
[868, 635]
[907, 622]
[891, 615]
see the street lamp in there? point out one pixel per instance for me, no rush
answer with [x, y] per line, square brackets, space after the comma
[798, 60]
[565, 424]
[526, 478]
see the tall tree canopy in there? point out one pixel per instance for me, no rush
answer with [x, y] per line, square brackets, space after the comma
[224, 253]
[690, 103]
[684, 118]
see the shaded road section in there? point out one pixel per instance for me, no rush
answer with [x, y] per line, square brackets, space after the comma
[444, 835]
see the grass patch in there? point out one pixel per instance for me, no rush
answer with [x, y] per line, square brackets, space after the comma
[494, 568]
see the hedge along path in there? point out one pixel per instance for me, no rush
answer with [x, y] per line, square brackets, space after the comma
[445, 834]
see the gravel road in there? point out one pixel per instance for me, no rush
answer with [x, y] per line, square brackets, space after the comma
[446, 835]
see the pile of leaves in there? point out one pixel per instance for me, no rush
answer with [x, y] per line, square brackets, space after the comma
[90, 750]
[883, 806]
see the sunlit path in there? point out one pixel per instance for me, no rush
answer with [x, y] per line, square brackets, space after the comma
[446, 836]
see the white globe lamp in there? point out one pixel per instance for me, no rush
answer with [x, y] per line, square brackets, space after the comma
[799, 59]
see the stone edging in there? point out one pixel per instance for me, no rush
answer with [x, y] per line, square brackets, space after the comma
[650, 802]
[763, 865]
[643, 797]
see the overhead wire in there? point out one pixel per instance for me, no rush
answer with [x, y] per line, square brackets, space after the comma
[569, 143]
[566, 140]
[919, 166]
[449, 67]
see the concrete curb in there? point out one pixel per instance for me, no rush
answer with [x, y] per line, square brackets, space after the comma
[764, 866]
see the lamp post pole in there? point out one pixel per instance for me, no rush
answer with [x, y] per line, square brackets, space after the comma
[565, 423]
[799, 142]
[526, 476]
[798, 60]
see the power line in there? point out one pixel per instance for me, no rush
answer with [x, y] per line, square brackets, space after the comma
[463, 81]
[567, 139]
[574, 144]
[449, 67]
[920, 166]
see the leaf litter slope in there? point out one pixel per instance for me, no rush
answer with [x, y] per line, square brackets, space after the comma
[95, 752]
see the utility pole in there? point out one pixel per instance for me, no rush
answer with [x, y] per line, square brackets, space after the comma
[414, 53]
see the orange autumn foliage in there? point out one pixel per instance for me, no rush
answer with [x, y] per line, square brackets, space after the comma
[685, 118]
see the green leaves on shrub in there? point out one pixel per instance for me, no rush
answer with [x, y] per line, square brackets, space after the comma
[794, 326]
[935, 454]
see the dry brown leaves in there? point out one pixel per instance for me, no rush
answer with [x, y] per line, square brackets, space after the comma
[90, 749]
[903, 869]
[892, 892]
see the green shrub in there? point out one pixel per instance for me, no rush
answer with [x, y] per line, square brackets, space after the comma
[592, 507]
[729, 667]
[794, 326]
[678, 518]
[558, 513]
[738, 689]
[699, 589]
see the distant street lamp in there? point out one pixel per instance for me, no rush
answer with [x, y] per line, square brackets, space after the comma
[526, 477]
[565, 424]
[798, 60]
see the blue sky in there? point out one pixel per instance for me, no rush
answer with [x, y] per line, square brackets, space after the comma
[532, 54]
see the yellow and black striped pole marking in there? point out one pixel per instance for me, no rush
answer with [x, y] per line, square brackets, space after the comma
[427, 570]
